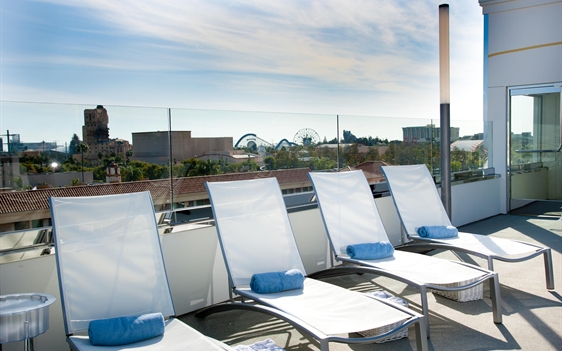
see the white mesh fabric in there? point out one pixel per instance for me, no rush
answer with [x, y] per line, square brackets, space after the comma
[348, 208]
[109, 258]
[177, 337]
[418, 204]
[332, 309]
[416, 197]
[253, 228]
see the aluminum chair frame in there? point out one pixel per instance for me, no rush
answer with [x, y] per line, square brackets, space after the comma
[252, 224]
[347, 195]
[420, 177]
[110, 264]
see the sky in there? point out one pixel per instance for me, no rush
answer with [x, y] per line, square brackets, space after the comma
[299, 58]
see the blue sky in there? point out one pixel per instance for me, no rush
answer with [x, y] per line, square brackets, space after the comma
[367, 58]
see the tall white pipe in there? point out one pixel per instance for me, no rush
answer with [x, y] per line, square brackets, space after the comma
[444, 71]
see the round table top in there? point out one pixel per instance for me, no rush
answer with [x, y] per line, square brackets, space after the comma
[17, 303]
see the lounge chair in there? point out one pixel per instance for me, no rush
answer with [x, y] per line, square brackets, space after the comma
[256, 237]
[351, 217]
[110, 265]
[419, 204]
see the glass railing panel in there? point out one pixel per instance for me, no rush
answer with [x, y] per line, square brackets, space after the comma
[156, 147]
[59, 145]
[37, 142]
[471, 149]
[405, 141]
[49, 146]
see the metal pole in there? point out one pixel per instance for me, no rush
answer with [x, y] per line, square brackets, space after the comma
[338, 143]
[171, 164]
[445, 107]
[446, 158]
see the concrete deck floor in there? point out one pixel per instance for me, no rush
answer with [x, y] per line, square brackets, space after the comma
[532, 315]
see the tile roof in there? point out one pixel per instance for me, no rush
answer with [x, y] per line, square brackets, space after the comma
[372, 167]
[33, 200]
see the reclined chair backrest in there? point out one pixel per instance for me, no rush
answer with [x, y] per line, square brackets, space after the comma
[345, 198]
[415, 196]
[247, 217]
[109, 258]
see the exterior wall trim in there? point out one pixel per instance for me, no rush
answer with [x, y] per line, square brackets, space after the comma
[524, 49]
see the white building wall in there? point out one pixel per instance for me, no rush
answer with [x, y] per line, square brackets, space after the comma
[524, 47]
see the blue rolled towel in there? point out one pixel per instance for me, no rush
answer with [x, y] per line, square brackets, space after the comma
[370, 251]
[125, 330]
[272, 282]
[438, 231]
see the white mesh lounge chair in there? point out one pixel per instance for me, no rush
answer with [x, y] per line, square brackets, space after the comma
[419, 204]
[256, 237]
[110, 264]
[351, 217]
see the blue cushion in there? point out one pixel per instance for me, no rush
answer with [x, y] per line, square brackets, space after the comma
[438, 232]
[125, 330]
[370, 251]
[272, 282]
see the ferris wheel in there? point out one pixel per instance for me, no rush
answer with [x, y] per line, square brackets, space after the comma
[306, 137]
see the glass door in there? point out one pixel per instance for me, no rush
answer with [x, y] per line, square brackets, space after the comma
[535, 151]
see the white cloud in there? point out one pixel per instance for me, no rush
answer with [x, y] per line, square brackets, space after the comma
[381, 46]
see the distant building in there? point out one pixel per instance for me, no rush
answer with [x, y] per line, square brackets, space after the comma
[154, 147]
[426, 133]
[95, 133]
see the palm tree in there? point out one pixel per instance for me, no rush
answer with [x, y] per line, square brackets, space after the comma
[82, 147]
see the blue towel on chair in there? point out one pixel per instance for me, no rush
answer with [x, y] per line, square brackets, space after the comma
[272, 282]
[438, 232]
[370, 251]
[125, 330]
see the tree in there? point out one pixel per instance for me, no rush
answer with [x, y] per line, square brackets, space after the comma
[372, 154]
[348, 137]
[82, 147]
[128, 155]
[134, 175]
[352, 155]
[35, 164]
[269, 163]
[74, 142]
[18, 182]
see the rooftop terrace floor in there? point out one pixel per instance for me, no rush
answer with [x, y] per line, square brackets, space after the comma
[532, 315]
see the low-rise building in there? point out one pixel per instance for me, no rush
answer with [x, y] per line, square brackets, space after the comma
[155, 147]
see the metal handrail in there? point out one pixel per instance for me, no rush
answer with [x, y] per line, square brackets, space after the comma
[540, 151]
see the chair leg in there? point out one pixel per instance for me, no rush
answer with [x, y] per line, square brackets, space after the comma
[424, 306]
[421, 335]
[548, 269]
[324, 345]
[496, 298]
[491, 268]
